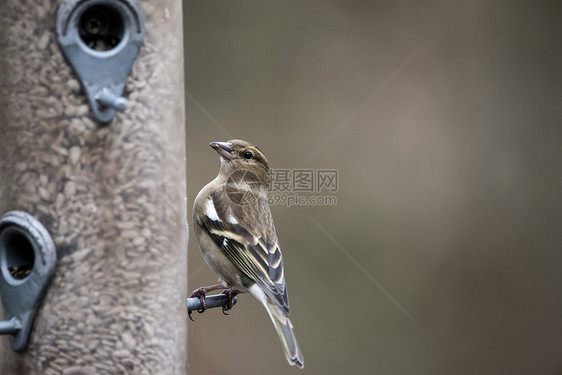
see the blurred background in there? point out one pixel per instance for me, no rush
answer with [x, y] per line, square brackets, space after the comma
[444, 122]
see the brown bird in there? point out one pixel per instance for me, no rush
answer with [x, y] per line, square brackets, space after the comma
[236, 235]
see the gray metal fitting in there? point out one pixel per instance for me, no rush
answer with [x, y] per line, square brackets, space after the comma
[27, 265]
[101, 40]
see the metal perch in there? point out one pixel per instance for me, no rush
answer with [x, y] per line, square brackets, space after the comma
[217, 300]
[10, 327]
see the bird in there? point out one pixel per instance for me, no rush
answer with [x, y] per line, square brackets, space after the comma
[234, 229]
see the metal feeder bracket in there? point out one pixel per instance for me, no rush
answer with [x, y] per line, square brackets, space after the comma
[101, 40]
[27, 266]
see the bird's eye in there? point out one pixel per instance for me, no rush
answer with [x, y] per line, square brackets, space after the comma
[248, 154]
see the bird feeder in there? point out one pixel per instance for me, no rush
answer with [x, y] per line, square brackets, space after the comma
[92, 148]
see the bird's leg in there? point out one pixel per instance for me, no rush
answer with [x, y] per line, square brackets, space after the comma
[200, 293]
[231, 293]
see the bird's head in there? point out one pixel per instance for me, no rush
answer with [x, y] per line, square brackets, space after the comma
[238, 155]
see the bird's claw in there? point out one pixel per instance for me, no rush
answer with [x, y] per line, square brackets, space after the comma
[231, 293]
[199, 293]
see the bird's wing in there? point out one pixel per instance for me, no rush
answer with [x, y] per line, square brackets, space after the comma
[246, 235]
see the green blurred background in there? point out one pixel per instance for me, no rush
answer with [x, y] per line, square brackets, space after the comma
[443, 253]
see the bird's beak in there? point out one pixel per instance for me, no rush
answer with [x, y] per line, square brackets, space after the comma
[223, 149]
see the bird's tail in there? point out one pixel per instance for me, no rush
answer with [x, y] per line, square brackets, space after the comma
[284, 329]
